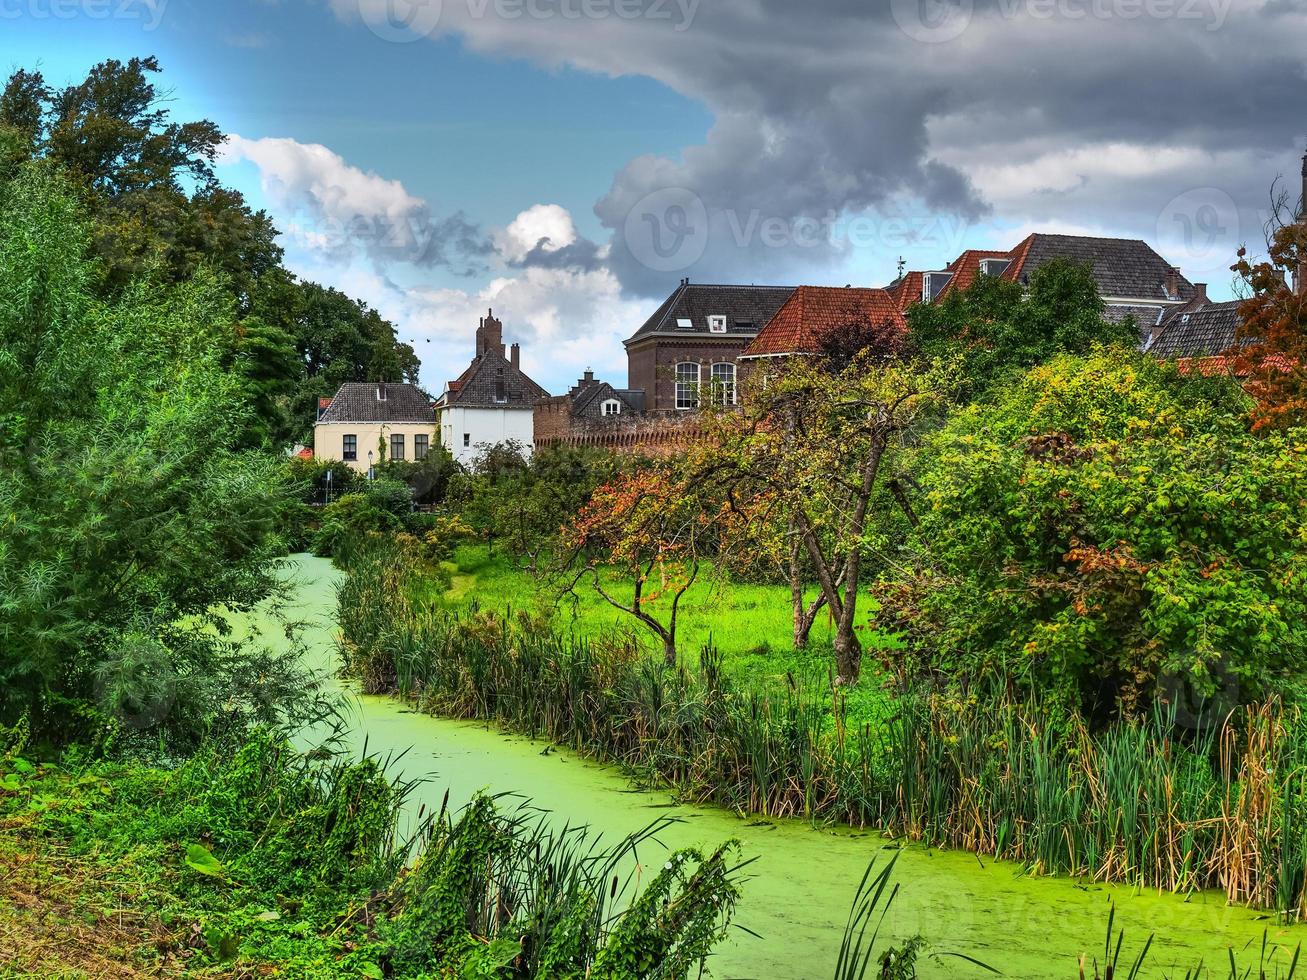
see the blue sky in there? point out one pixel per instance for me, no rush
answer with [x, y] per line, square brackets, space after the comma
[819, 141]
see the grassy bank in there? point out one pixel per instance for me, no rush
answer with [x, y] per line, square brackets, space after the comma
[1149, 803]
[264, 862]
[748, 625]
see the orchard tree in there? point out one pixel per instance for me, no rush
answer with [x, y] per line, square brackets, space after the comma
[814, 450]
[641, 542]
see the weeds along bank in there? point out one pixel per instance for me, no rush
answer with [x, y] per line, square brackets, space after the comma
[263, 859]
[1165, 802]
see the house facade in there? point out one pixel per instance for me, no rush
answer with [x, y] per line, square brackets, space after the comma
[692, 343]
[365, 423]
[590, 407]
[492, 401]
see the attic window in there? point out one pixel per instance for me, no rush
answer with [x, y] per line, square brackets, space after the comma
[717, 324]
[994, 267]
[684, 323]
[501, 393]
[612, 407]
[381, 393]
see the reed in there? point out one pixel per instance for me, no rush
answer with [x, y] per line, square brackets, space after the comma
[1146, 802]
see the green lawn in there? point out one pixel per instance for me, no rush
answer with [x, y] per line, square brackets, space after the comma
[751, 625]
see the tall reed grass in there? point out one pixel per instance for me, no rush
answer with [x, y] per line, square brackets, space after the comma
[1145, 802]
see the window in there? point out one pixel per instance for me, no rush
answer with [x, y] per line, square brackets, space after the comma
[687, 385]
[684, 323]
[612, 407]
[420, 446]
[350, 449]
[381, 393]
[397, 446]
[501, 393]
[467, 438]
[723, 384]
[717, 324]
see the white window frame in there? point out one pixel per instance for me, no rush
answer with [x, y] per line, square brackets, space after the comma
[687, 391]
[611, 406]
[716, 324]
[723, 390]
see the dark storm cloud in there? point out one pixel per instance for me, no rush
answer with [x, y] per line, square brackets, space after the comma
[1087, 113]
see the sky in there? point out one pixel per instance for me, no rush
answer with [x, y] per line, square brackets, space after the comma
[568, 162]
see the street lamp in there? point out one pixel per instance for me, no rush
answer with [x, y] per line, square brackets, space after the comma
[371, 472]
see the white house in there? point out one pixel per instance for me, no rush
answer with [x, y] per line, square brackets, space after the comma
[492, 401]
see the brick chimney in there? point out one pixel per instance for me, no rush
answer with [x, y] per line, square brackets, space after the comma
[515, 355]
[490, 335]
[1173, 283]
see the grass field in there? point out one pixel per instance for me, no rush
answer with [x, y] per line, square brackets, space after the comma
[751, 625]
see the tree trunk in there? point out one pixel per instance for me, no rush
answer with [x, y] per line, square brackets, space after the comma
[669, 650]
[848, 656]
[802, 625]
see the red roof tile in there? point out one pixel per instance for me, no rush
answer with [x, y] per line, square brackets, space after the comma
[1019, 254]
[798, 326]
[966, 267]
[907, 290]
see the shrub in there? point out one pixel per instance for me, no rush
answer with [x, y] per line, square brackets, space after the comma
[348, 522]
[1107, 529]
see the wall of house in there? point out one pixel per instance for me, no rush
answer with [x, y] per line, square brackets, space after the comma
[484, 427]
[651, 364]
[329, 439]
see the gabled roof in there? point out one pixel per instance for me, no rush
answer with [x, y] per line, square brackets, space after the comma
[492, 381]
[798, 326]
[746, 308]
[633, 401]
[1123, 267]
[906, 289]
[1212, 329]
[361, 402]
[966, 267]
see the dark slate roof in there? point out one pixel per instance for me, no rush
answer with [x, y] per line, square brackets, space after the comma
[478, 386]
[359, 403]
[1145, 316]
[1208, 330]
[1124, 267]
[600, 391]
[746, 308]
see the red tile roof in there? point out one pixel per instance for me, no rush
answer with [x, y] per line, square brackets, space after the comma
[907, 290]
[1019, 255]
[798, 326]
[966, 267]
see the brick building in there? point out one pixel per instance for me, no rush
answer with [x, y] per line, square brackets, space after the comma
[590, 405]
[692, 342]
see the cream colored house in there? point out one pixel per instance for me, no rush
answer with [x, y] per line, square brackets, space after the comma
[364, 421]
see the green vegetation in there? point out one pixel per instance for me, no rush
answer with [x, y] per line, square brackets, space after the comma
[262, 860]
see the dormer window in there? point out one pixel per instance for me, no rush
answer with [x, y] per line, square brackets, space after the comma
[994, 267]
[612, 406]
[381, 393]
[717, 324]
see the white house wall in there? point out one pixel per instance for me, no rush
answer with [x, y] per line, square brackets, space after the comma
[484, 427]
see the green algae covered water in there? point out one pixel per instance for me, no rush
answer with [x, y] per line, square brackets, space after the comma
[798, 895]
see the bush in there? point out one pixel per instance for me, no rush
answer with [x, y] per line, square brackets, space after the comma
[347, 523]
[1109, 531]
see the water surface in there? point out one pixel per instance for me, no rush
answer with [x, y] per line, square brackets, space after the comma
[798, 897]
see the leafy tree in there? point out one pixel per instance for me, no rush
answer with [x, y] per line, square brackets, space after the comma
[813, 451]
[1000, 328]
[1272, 353]
[130, 513]
[1107, 528]
[653, 527]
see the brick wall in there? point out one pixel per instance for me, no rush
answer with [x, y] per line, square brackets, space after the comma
[652, 434]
